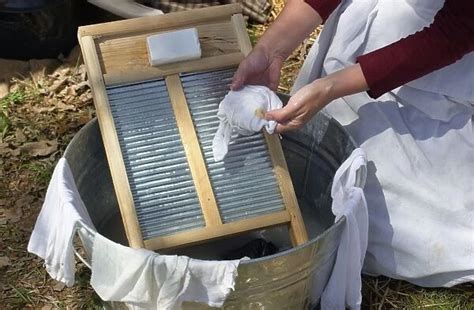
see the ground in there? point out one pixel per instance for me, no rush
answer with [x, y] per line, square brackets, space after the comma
[40, 111]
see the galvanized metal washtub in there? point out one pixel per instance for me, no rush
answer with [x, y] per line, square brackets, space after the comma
[291, 279]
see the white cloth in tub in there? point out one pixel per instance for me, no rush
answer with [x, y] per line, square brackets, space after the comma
[53, 233]
[146, 280]
[344, 286]
[243, 112]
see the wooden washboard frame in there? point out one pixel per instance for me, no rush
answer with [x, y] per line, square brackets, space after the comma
[116, 53]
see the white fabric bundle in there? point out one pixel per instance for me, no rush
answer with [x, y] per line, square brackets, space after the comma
[344, 286]
[146, 280]
[54, 230]
[243, 112]
[418, 140]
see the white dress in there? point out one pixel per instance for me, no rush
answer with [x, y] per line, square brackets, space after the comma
[419, 141]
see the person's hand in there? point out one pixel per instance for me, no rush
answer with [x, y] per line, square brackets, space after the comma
[302, 106]
[260, 67]
[307, 101]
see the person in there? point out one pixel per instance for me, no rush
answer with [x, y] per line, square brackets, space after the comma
[399, 76]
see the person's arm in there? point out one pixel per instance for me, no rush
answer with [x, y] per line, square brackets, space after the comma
[294, 24]
[446, 40]
[262, 66]
[449, 38]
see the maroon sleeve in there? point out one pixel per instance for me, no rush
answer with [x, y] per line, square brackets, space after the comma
[323, 7]
[446, 40]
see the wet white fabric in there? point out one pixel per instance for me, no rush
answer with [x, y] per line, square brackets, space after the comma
[243, 112]
[140, 277]
[146, 280]
[211, 281]
[344, 286]
[52, 236]
[419, 141]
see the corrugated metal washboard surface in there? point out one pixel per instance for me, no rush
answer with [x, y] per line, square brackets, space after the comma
[160, 180]
[244, 183]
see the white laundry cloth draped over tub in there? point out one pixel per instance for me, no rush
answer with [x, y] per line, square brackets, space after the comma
[344, 286]
[54, 230]
[141, 278]
[419, 141]
[145, 280]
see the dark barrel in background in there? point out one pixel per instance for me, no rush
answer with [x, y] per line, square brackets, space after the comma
[43, 28]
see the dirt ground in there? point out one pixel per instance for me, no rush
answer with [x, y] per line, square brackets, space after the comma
[42, 105]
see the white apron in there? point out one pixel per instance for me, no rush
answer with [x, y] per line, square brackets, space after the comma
[419, 141]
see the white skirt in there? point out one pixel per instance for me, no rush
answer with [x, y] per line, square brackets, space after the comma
[419, 140]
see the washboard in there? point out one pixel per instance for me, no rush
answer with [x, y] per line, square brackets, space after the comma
[157, 124]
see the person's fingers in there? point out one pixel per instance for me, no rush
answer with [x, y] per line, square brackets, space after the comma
[239, 78]
[246, 74]
[237, 83]
[258, 69]
[281, 128]
[285, 114]
[280, 115]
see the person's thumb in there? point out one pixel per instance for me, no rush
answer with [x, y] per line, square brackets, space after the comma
[239, 77]
[237, 83]
[281, 115]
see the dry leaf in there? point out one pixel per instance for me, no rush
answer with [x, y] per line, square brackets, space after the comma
[84, 119]
[47, 307]
[57, 86]
[43, 109]
[65, 107]
[15, 152]
[81, 71]
[63, 71]
[70, 91]
[81, 87]
[24, 201]
[40, 148]
[64, 127]
[59, 286]
[4, 261]
[4, 85]
[20, 136]
[13, 215]
[4, 149]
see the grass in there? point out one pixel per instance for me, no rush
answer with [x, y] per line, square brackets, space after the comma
[4, 124]
[385, 293]
[42, 171]
[22, 296]
[14, 97]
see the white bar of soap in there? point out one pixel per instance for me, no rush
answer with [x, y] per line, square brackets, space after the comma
[173, 46]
